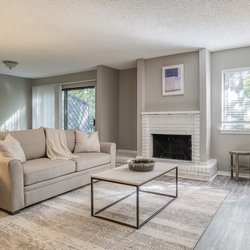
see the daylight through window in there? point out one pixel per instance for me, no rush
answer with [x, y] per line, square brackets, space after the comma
[236, 99]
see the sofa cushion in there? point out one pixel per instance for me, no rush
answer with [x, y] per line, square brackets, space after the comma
[87, 142]
[32, 142]
[44, 169]
[71, 139]
[90, 160]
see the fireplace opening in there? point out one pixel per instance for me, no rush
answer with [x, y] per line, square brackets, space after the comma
[177, 147]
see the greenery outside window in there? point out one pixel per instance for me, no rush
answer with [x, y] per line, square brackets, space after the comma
[78, 105]
[236, 101]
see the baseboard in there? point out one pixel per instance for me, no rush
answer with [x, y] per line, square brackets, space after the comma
[123, 155]
[228, 173]
[126, 151]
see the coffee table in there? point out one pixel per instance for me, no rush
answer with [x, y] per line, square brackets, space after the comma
[122, 175]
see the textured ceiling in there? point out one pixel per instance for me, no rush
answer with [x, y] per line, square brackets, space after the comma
[50, 37]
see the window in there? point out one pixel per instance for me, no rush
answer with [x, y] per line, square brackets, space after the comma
[236, 100]
[79, 109]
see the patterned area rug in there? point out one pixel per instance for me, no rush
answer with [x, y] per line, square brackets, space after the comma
[64, 222]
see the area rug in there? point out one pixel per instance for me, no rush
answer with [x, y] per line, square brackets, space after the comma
[64, 222]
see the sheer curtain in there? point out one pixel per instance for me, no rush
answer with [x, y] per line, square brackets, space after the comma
[46, 106]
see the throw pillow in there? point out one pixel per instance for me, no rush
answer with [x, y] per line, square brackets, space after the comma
[11, 148]
[87, 142]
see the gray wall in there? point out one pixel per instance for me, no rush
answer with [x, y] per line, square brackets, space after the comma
[106, 81]
[107, 103]
[222, 143]
[81, 76]
[154, 101]
[15, 102]
[149, 86]
[128, 109]
[74, 80]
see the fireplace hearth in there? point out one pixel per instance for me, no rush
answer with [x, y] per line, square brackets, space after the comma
[178, 147]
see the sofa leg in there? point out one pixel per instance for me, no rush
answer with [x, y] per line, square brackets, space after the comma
[13, 213]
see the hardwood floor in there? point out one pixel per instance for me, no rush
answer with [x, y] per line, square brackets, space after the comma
[230, 228]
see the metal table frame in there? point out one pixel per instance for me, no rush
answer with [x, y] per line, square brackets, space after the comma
[138, 190]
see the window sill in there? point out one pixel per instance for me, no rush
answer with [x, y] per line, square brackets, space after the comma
[235, 131]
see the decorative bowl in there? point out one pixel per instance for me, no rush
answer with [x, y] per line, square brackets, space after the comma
[141, 165]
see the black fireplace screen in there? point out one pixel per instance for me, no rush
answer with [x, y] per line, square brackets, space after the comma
[172, 147]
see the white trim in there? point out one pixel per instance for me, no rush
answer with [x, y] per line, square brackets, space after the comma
[222, 96]
[58, 107]
[235, 69]
[235, 131]
[82, 81]
[126, 151]
[226, 173]
[65, 83]
[170, 112]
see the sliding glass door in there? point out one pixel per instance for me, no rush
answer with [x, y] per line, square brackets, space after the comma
[79, 109]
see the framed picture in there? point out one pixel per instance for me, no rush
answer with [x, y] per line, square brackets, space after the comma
[173, 80]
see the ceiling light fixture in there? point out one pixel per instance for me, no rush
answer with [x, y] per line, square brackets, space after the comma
[10, 64]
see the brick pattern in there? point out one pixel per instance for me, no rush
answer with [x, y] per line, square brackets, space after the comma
[175, 124]
[178, 123]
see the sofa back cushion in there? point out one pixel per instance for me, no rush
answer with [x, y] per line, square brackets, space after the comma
[32, 142]
[71, 139]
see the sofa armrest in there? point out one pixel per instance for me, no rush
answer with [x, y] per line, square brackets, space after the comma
[11, 185]
[109, 148]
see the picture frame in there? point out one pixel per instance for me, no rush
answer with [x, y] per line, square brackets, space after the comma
[173, 80]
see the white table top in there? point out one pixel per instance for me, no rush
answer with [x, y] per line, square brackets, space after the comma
[126, 176]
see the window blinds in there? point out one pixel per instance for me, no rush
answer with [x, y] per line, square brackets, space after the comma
[46, 105]
[236, 99]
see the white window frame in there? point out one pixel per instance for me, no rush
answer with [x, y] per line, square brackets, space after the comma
[231, 131]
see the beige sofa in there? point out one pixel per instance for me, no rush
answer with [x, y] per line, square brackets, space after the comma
[40, 178]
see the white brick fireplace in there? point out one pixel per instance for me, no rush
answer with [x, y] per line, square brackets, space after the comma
[177, 123]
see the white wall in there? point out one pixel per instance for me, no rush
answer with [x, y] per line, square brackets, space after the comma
[221, 144]
[205, 104]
